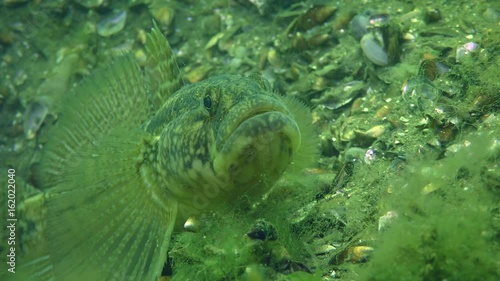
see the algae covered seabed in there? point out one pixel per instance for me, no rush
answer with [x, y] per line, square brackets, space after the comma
[405, 98]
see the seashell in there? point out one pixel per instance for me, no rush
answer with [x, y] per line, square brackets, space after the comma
[466, 50]
[299, 42]
[385, 220]
[327, 147]
[432, 15]
[379, 20]
[382, 112]
[337, 97]
[164, 15]
[356, 254]
[324, 249]
[376, 131]
[354, 153]
[362, 139]
[320, 83]
[313, 17]
[420, 92]
[33, 118]
[429, 67]
[356, 105]
[483, 103]
[191, 224]
[429, 188]
[214, 40]
[370, 156]
[342, 20]
[447, 133]
[112, 24]
[392, 36]
[359, 254]
[318, 39]
[373, 48]
[263, 230]
[274, 58]
[358, 25]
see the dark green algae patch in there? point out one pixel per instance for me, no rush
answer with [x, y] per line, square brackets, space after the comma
[437, 164]
[449, 232]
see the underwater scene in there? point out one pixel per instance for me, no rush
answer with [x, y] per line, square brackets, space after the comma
[252, 140]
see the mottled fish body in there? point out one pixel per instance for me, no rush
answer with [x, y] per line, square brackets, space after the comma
[134, 152]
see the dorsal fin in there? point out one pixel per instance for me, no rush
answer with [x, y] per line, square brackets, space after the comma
[162, 71]
[112, 97]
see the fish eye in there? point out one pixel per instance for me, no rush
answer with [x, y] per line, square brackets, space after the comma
[207, 102]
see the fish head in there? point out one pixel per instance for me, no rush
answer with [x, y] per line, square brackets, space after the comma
[228, 136]
[255, 138]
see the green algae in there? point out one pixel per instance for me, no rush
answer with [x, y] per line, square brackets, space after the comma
[221, 250]
[447, 232]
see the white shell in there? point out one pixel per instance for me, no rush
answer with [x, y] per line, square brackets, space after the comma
[373, 50]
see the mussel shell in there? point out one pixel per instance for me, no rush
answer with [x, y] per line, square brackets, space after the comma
[374, 49]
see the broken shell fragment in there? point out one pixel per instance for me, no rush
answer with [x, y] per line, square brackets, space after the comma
[385, 220]
[376, 131]
[356, 254]
[466, 51]
[191, 224]
[263, 230]
[33, 118]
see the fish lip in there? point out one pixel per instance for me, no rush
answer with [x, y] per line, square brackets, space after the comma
[251, 114]
[228, 145]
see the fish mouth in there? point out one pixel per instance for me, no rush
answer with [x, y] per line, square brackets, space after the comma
[253, 113]
[259, 148]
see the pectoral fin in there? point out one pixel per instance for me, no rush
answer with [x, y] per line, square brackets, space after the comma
[104, 221]
[114, 97]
